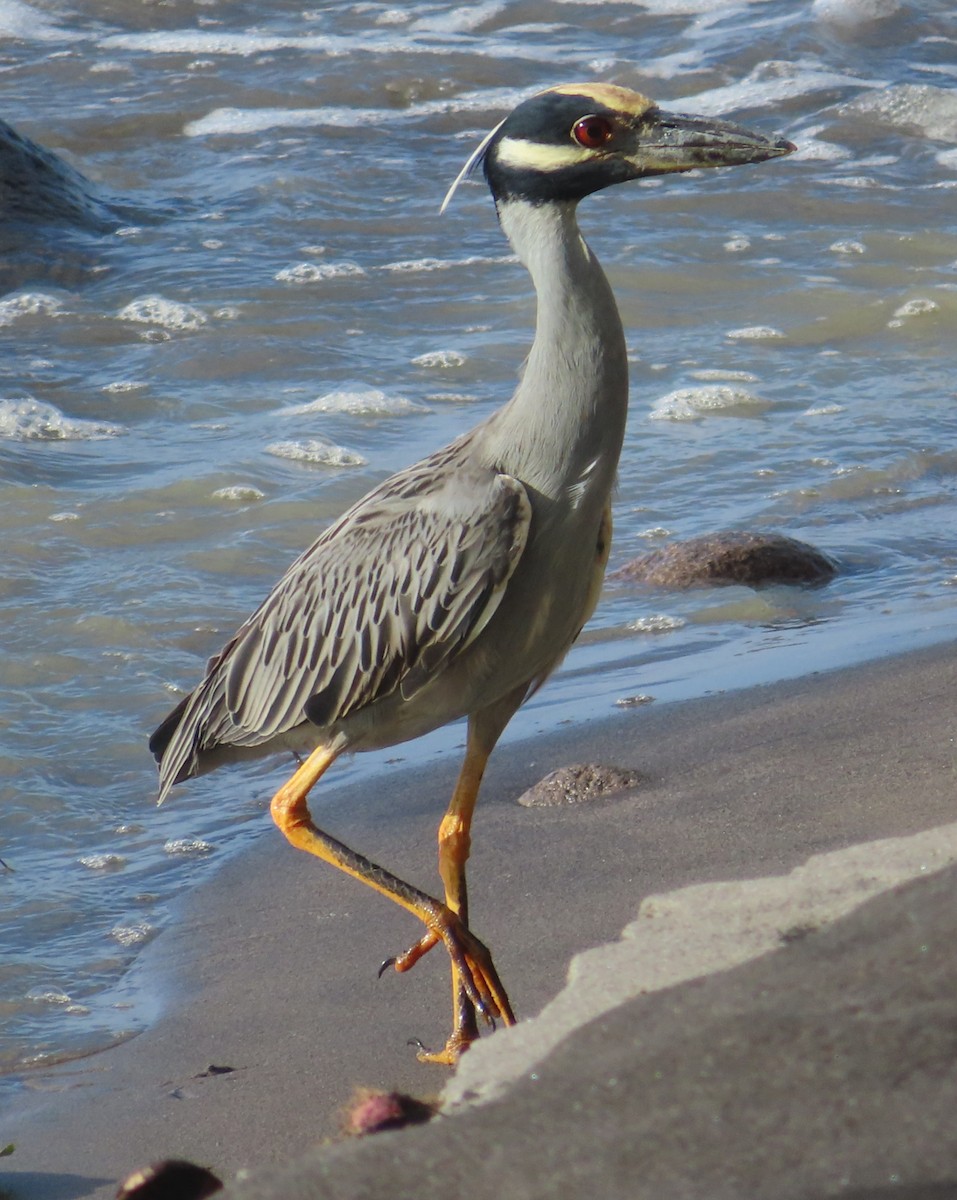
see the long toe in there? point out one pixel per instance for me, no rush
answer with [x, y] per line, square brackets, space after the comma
[479, 978]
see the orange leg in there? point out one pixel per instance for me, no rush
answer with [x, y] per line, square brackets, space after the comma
[474, 974]
[454, 846]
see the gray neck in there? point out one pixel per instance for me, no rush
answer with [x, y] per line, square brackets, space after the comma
[563, 429]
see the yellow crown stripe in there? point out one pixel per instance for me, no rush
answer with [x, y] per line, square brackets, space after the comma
[621, 99]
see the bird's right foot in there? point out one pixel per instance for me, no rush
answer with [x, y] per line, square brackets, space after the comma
[478, 981]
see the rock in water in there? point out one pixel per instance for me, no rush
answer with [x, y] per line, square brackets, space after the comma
[754, 559]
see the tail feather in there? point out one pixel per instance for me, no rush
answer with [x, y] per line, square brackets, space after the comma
[163, 735]
[197, 727]
[174, 754]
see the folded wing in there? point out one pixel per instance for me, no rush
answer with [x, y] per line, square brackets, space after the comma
[381, 601]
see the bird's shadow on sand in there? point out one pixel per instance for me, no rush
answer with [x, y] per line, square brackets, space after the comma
[945, 1190]
[41, 1185]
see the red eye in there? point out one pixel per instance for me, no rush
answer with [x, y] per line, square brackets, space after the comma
[593, 132]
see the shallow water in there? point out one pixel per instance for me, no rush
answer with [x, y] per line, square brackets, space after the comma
[281, 320]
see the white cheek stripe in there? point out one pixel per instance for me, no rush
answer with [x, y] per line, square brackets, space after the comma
[520, 153]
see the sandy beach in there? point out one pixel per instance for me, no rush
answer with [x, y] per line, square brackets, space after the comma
[792, 1035]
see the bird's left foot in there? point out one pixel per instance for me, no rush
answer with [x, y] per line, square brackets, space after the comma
[449, 1056]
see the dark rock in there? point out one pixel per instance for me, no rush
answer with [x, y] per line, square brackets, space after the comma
[173, 1179]
[37, 186]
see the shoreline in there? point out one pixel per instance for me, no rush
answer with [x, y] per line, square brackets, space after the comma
[587, 683]
[272, 961]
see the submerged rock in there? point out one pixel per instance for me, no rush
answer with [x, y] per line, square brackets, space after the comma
[38, 186]
[735, 556]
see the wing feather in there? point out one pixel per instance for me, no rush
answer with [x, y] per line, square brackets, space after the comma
[369, 604]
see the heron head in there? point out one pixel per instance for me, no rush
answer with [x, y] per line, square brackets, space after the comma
[567, 142]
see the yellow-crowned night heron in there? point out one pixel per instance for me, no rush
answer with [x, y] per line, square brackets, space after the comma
[454, 588]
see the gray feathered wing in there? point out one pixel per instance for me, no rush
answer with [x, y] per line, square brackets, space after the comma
[381, 601]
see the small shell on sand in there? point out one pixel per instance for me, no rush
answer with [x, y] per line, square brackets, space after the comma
[371, 1111]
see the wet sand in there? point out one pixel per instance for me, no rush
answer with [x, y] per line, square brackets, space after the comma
[788, 1037]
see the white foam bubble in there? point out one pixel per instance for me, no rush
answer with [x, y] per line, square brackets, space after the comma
[362, 402]
[316, 272]
[238, 491]
[932, 110]
[715, 375]
[768, 84]
[187, 846]
[670, 66]
[919, 306]
[634, 701]
[256, 120]
[755, 333]
[119, 386]
[412, 265]
[22, 21]
[823, 410]
[460, 18]
[443, 360]
[451, 397]
[393, 16]
[316, 450]
[854, 12]
[688, 404]
[859, 182]
[132, 935]
[30, 420]
[205, 42]
[102, 862]
[657, 623]
[48, 995]
[28, 304]
[683, 8]
[167, 314]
